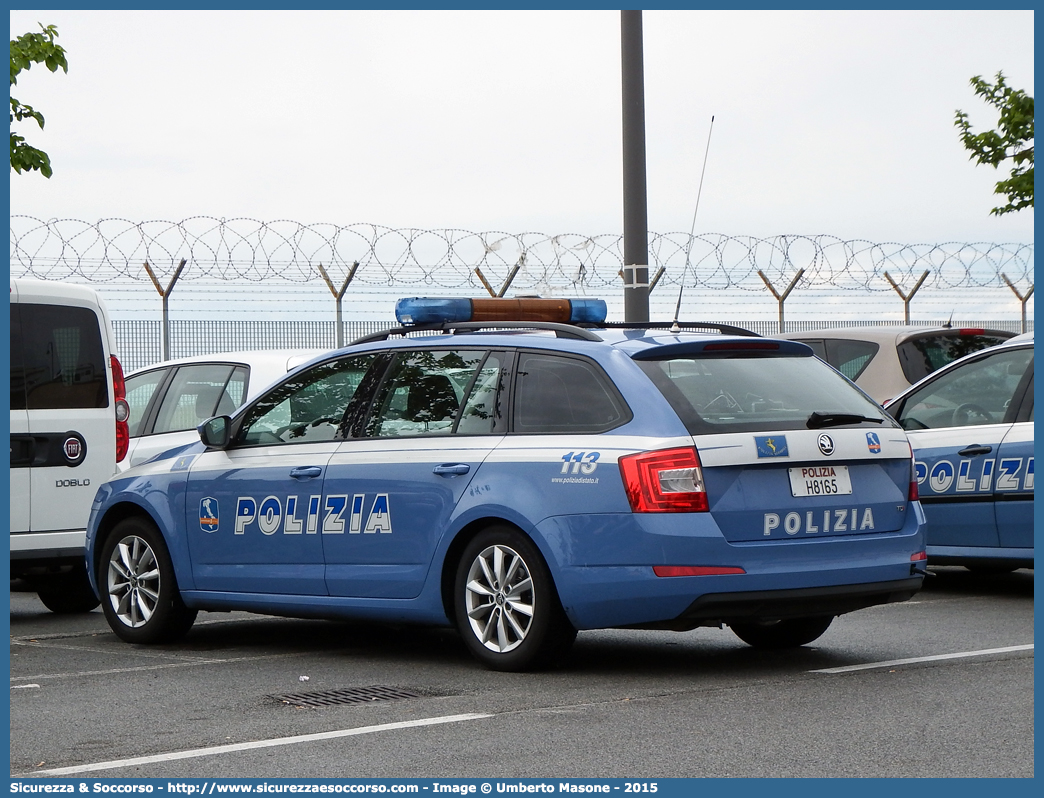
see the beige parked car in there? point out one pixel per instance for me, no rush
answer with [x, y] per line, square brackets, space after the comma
[885, 361]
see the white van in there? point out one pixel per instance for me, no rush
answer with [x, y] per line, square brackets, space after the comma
[68, 430]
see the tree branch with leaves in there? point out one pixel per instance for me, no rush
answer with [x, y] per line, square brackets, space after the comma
[26, 50]
[1011, 141]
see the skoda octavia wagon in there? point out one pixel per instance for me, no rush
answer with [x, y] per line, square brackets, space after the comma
[523, 479]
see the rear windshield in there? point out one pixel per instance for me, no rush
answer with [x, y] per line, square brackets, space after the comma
[922, 355]
[750, 393]
[57, 360]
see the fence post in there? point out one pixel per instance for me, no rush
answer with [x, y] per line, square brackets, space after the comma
[338, 296]
[1022, 299]
[781, 298]
[165, 296]
[907, 297]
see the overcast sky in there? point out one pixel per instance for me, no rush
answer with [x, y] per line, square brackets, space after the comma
[837, 123]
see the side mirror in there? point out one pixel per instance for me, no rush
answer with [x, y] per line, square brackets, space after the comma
[214, 432]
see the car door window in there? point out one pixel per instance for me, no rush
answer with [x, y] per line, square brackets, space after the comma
[482, 411]
[140, 390]
[426, 390]
[850, 357]
[235, 392]
[194, 394]
[979, 392]
[313, 406]
[564, 394]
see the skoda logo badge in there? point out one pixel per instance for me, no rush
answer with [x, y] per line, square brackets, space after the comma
[826, 444]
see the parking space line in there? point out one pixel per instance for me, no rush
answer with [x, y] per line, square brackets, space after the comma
[234, 747]
[933, 658]
[108, 671]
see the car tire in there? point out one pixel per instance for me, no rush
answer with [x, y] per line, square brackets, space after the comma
[140, 594]
[507, 609]
[787, 633]
[68, 593]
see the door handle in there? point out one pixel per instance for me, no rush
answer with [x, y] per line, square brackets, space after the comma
[975, 449]
[451, 469]
[306, 472]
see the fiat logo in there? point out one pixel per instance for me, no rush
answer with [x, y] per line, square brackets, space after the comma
[72, 448]
[826, 444]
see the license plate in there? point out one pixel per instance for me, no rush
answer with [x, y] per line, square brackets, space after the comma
[820, 481]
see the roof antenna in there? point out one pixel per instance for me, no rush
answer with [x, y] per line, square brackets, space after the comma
[949, 322]
[692, 230]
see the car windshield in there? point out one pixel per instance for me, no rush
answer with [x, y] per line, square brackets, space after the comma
[739, 394]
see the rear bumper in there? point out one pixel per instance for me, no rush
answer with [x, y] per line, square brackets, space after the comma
[980, 555]
[715, 608]
[603, 569]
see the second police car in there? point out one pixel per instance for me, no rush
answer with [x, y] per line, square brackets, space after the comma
[524, 479]
[971, 426]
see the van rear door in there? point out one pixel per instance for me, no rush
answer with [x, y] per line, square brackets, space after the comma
[69, 407]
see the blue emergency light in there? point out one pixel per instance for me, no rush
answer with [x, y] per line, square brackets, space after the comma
[433, 310]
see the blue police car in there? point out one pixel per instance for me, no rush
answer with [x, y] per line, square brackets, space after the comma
[971, 426]
[523, 469]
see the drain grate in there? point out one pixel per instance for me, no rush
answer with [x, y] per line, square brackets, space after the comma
[353, 695]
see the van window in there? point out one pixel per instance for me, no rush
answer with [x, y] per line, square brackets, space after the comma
[62, 360]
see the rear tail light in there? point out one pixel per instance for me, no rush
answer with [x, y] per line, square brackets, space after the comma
[919, 556]
[665, 481]
[119, 393]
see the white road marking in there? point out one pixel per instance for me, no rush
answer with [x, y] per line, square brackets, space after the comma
[181, 661]
[108, 671]
[934, 658]
[22, 686]
[234, 747]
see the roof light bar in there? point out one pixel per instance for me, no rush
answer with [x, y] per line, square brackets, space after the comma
[432, 310]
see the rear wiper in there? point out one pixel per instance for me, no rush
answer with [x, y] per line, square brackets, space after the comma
[819, 420]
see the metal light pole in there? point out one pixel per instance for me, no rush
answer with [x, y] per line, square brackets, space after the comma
[636, 216]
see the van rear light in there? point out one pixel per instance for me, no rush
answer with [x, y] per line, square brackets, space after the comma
[919, 556]
[665, 481]
[119, 394]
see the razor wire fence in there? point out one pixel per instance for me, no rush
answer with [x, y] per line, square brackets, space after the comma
[138, 341]
[208, 267]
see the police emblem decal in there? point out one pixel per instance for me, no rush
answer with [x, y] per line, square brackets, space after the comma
[771, 445]
[209, 519]
[826, 444]
[873, 443]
